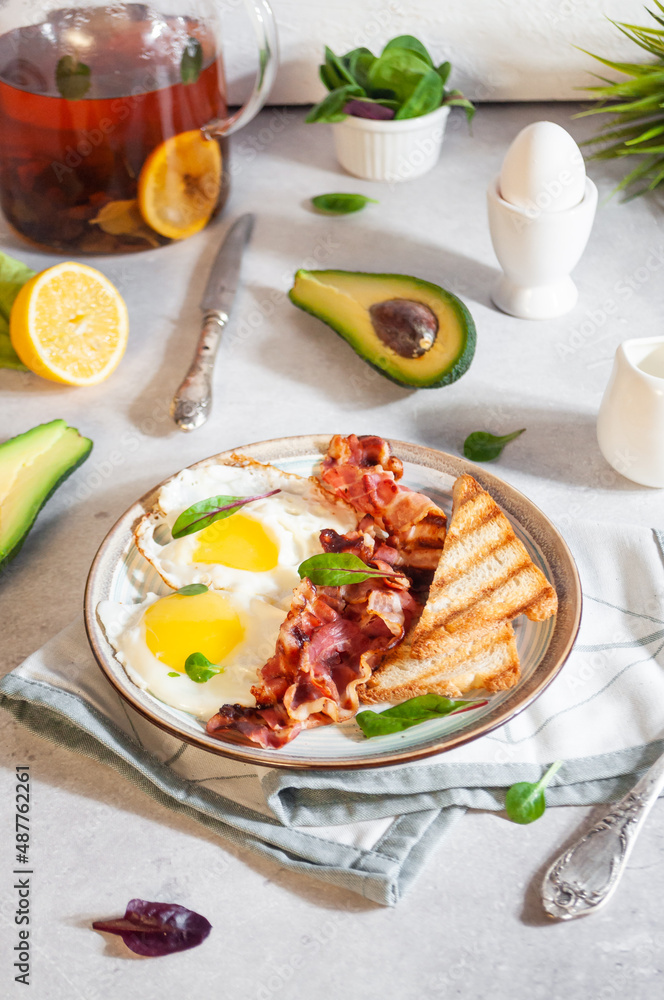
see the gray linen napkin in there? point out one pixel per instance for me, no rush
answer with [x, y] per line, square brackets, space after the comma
[371, 831]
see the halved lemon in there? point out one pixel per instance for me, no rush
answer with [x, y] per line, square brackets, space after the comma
[69, 324]
[179, 184]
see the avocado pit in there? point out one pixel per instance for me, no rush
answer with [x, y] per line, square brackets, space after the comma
[407, 327]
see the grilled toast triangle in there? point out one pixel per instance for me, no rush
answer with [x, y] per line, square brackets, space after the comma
[485, 577]
[489, 662]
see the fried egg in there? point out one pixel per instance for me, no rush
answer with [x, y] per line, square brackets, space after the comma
[153, 639]
[257, 550]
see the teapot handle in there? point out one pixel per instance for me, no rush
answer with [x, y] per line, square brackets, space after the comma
[265, 29]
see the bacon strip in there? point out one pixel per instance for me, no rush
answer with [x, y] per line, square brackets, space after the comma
[365, 474]
[334, 637]
[331, 641]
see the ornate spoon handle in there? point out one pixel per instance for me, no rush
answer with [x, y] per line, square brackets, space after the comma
[585, 876]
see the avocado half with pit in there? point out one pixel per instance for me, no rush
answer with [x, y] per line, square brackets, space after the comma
[414, 332]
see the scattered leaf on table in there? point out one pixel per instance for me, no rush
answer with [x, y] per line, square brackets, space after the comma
[154, 929]
[480, 446]
[525, 801]
[341, 204]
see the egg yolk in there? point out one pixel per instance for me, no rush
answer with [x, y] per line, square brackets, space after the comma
[177, 626]
[239, 542]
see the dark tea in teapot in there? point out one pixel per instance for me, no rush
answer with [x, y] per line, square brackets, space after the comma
[101, 111]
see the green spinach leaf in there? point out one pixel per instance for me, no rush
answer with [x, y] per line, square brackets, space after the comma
[480, 446]
[336, 569]
[206, 512]
[72, 78]
[192, 589]
[444, 71]
[331, 108]
[525, 801]
[426, 97]
[191, 62]
[359, 62]
[455, 99]
[399, 71]
[340, 204]
[410, 713]
[337, 68]
[200, 669]
[412, 44]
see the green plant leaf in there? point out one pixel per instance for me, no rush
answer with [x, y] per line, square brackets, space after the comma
[206, 512]
[455, 99]
[337, 68]
[398, 71]
[411, 713]
[636, 104]
[331, 108]
[359, 62]
[174, 673]
[480, 446]
[72, 78]
[444, 71]
[525, 802]
[340, 204]
[192, 589]
[191, 62]
[412, 44]
[336, 569]
[426, 97]
[199, 669]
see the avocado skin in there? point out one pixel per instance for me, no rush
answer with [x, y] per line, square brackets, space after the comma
[451, 373]
[80, 448]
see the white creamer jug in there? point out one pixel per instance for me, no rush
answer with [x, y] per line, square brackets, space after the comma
[630, 423]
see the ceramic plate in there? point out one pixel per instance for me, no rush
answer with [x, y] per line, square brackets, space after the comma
[120, 573]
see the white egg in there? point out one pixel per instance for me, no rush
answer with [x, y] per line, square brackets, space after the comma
[543, 170]
[247, 630]
[255, 551]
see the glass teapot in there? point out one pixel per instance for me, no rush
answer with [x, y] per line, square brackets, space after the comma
[114, 119]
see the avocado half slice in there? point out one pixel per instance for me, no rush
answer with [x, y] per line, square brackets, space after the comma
[412, 331]
[32, 466]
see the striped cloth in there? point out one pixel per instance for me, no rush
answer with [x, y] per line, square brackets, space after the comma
[371, 831]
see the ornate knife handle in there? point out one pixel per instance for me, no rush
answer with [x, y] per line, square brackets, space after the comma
[586, 875]
[193, 401]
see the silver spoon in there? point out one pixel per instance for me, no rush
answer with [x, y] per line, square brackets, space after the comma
[586, 875]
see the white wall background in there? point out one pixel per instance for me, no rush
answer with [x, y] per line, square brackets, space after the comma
[501, 50]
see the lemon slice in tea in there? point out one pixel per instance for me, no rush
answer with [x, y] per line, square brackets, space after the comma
[179, 184]
[69, 324]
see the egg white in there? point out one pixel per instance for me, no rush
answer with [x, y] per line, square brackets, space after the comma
[125, 631]
[294, 518]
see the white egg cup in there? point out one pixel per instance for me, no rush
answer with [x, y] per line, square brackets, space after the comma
[630, 423]
[537, 250]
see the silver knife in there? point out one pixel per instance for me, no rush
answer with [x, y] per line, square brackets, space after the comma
[193, 401]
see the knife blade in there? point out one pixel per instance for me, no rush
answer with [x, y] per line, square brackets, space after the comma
[192, 402]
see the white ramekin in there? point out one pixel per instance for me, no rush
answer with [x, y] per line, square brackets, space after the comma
[390, 150]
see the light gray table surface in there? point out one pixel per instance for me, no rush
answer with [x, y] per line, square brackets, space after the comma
[472, 925]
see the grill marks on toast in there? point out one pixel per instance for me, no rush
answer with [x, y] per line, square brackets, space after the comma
[489, 662]
[485, 576]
